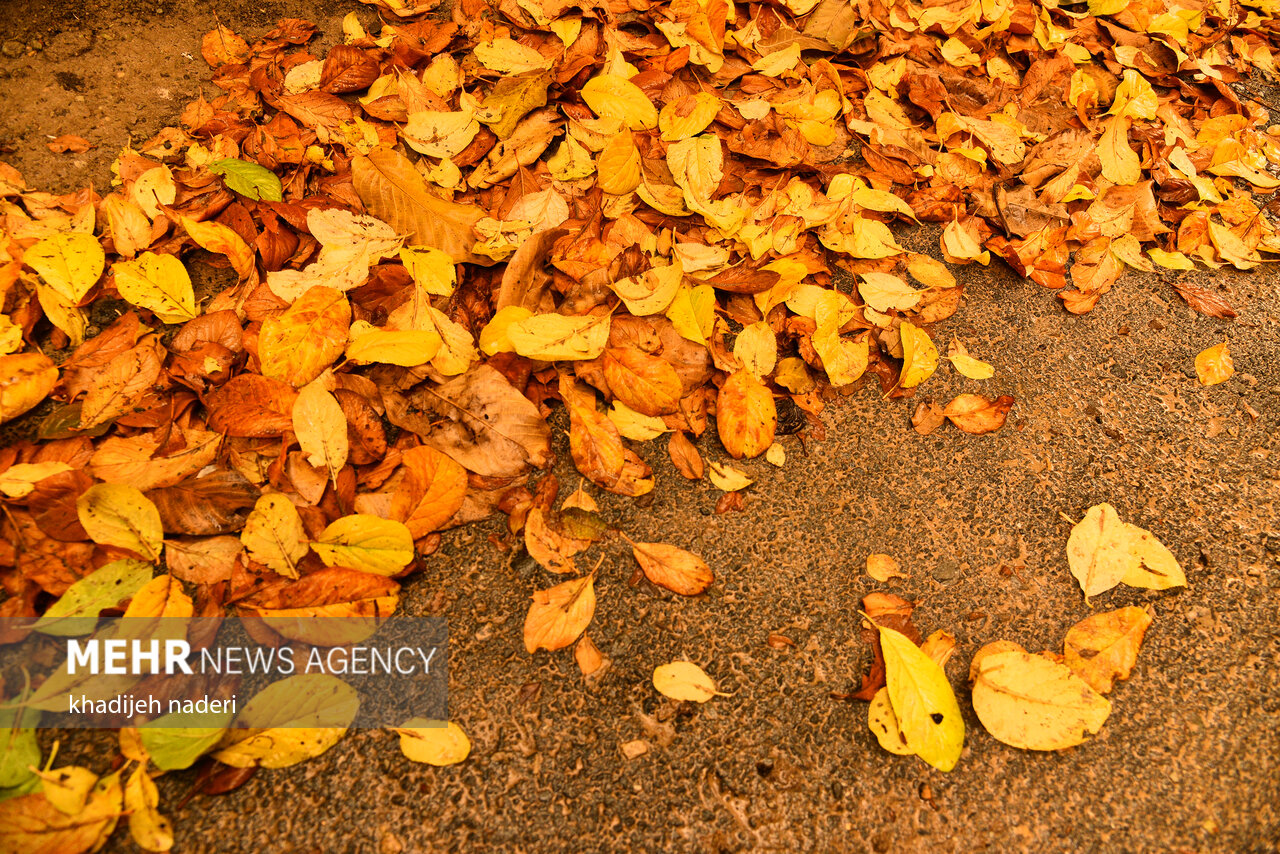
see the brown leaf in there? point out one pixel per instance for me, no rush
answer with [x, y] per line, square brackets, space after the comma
[976, 414]
[202, 561]
[684, 456]
[347, 69]
[395, 193]
[1204, 301]
[927, 417]
[673, 568]
[70, 143]
[223, 47]
[217, 503]
[479, 420]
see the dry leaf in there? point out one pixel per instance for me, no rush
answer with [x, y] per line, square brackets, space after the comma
[685, 681]
[1104, 647]
[976, 414]
[560, 614]
[673, 568]
[1214, 365]
[883, 567]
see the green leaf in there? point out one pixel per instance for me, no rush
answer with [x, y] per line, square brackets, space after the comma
[177, 740]
[249, 179]
[19, 750]
[923, 701]
[76, 613]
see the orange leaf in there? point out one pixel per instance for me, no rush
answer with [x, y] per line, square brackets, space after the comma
[431, 493]
[746, 416]
[975, 414]
[646, 383]
[560, 614]
[673, 568]
[300, 342]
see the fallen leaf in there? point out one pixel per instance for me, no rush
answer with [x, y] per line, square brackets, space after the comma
[25, 380]
[274, 535]
[158, 283]
[976, 414]
[1214, 365]
[439, 743]
[746, 416]
[1104, 647]
[560, 614]
[290, 721]
[673, 568]
[76, 611]
[115, 514]
[685, 681]
[965, 364]
[922, 700]
[366, 543]
[321, 428]
[883, 567]
[1031, 702]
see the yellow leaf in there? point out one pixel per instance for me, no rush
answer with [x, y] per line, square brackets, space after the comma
[1031, 702]
[960, 243]
[431, 269]
[919, 356]
[757, 348]
[884, 723]
[1158, 569]
[495, 337]
[153, 188]
[32, 824]
[1103, 551]
[290, 721]
[510, 57]
[18, 481]
[1214, 365]
[1134, 99]
[1120, 163]
[118, 515]
[68, 788]
[653, 291]
[611, 96]
[1099, 552]
[366, 543]
[685, 681]
[728, 478]
[965, 364]
[440, 133]
[776, 455]
[1104, 647]
[405, 347]
[1171, 260]
[151, 830]
[635, 425]
[158, 283]
[70, 263]
[274, 535]
[457, 350]
[884, 292]
[551, 337]
[697, 166]
[619, 165]
[162, 596]
[321, 428]
[560, 614]
[688, 116]
[62, 313]
[928, 715]
[570, 162]
[430, 742]
[10, 336]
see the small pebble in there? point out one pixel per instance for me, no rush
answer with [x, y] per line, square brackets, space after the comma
[13, 48]
[946, 570]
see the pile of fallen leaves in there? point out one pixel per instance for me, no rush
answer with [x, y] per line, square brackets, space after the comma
[409, 251]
